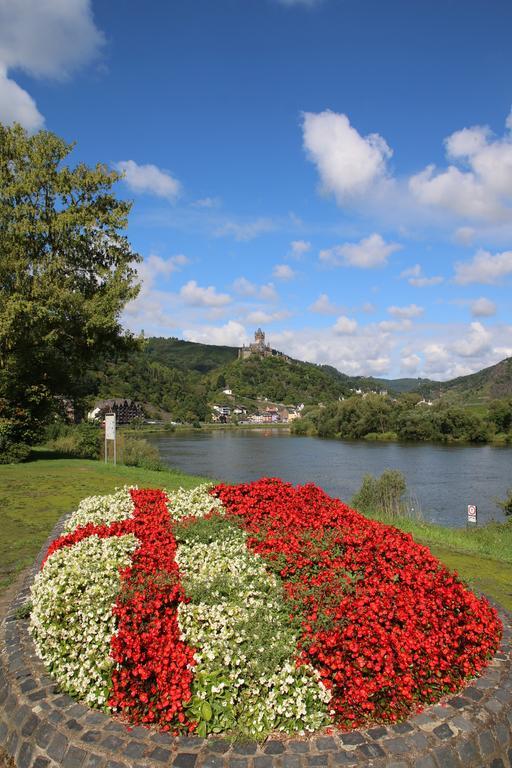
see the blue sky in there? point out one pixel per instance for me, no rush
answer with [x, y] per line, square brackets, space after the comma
[336, 171]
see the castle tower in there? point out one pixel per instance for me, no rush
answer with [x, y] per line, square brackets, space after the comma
[258, 347]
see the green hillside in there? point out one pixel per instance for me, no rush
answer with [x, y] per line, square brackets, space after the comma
[278, 379]
[187, 355]
[490, 383]
[183, 379]
[183, 394]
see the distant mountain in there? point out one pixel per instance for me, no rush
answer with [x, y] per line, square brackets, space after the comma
[490, 383]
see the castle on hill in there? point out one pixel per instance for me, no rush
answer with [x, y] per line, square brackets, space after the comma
[258, 347]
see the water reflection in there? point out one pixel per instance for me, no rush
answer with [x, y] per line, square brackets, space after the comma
[444, 479]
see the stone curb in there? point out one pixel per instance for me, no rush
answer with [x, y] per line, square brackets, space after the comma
[40, 727]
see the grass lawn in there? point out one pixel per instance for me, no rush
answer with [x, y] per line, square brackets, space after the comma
[34, 495]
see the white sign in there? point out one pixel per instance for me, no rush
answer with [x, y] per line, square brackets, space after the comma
[110, 426]
[472, 513]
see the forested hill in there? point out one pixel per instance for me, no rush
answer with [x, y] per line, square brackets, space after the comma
[490, 383]
[184, 379]
[188, 355]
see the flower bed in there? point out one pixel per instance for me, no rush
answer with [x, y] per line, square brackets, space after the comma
[252, 609]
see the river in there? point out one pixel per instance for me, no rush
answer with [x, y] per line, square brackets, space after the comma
[442, 479]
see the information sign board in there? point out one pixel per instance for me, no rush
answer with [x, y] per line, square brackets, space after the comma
[110, 434]
[110, 426]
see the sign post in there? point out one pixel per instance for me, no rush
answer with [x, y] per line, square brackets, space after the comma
[472, 513]
[110, 434]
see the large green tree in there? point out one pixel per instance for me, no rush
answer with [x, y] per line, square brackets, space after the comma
[66, 272]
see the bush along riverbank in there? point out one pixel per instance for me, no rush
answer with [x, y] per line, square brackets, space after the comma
[408, 417]
[183, 591]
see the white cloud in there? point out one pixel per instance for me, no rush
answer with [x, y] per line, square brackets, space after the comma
[155, 266]
[395, 326]
[482, 189]
[348, 164]
[260, 317]
[410, 363]
[370, 252]
[49, 39]
[464, 235]
[196, 296]
[245, 230]
[483, 307]
[17, 106]
[364, 352]
[453, 190]
[345, 325]
[298, 248]
[415, 276]
[406, 312]
[473, 190]
[475, 343]
[268, 292]
[207, 202]
[232, 334]
[442, 351]
[283, 272]
[467, 142]
[324, 306]
[423, 282]
[149, 179]
[437, 358]
[245, 287]
[484, 268]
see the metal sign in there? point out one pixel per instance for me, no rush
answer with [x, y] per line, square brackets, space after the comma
[110, 434]
[472, 513]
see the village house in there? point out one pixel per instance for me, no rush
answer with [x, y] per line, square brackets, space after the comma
[125, 410]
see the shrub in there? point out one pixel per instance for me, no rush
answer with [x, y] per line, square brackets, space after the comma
[12, 447]
[506, 504]
[82, 441]
[382, 494]
[88, 441]
[136, 452]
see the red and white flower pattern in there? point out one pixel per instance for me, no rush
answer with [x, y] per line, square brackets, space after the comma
[144, 607]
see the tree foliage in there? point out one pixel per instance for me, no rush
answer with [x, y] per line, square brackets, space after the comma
[374, 415]
[66, 272]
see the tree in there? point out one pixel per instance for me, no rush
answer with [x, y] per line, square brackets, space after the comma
[66, 272]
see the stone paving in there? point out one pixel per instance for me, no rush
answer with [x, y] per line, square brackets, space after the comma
[40, 727]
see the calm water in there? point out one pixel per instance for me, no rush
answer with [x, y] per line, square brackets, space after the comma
[444, 479]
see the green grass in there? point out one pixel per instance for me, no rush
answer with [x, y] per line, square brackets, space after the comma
[34, 495]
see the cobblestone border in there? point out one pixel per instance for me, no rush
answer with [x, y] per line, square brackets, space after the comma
[40, 727]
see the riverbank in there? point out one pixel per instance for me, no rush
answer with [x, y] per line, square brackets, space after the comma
[34, 495]
[163, 429]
